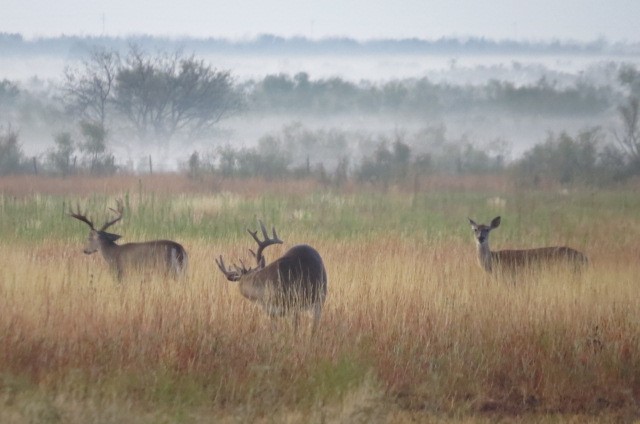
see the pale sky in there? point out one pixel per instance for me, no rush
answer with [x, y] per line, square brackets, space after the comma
[533, 20]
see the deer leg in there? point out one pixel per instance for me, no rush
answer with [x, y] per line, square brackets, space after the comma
[273, 324]
[296, 322]
[118, 274]
[317, 313]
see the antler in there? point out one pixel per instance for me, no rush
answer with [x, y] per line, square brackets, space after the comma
[231, 275]
[260, 260]
[117, 218]
[80, 216]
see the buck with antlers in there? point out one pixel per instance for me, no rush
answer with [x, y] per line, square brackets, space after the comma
[512, 260]
[294, 282]
[165, 256]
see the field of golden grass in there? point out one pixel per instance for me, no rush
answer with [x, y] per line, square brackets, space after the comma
[413, 330]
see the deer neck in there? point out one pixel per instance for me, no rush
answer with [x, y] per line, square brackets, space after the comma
[109, 250]
[484, 254]
[252, 286]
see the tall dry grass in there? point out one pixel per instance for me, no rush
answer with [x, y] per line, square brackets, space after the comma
[409, 329]
[413, 329]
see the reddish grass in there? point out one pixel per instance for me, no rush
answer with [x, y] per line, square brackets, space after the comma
[433, 333]
[175, 183]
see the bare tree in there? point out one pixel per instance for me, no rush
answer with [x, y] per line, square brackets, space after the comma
[89, 88]
[97, 157]
[9, 92]
[167, 94]
[61, 158]
[12, 160]
[629, 138]
[629, 77]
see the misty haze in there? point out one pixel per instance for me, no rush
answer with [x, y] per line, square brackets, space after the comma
[320, 102]
[280, 211]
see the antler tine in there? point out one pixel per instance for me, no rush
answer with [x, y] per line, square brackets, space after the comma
[259, 260]
[254, 234]
[264, 230]
[239, 270]
[80, 216]
[244, 268]
[231, 275]
[221, 265]
[266, 235]
[119, 211]
[120, 207]
[262, 244]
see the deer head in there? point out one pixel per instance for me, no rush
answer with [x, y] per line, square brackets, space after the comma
[95, 236]
[238, 271]
[481, 232]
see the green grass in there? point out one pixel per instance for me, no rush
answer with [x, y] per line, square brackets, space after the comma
[531, 218]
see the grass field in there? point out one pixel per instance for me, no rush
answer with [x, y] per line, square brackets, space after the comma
[413, 330]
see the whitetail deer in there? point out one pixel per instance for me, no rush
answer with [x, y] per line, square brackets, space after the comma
[165, 256]
[513, 260]
[294, 282]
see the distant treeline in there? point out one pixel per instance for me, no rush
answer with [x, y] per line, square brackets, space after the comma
[16, 44]
[161, 100]
[587, 158]
[133, 95]
[584, 159]
[422, 97]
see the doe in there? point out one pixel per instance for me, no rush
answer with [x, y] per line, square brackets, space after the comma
[513, 260]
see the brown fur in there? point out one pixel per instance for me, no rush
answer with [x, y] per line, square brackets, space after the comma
[294, 282]
[513, 260]
[164, 256]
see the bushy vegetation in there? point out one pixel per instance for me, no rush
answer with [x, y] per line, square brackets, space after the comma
[297, 152]
[584, 159]
[572, 160]
[12, 159]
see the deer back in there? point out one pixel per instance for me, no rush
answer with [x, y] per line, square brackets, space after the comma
[296, 279]
[162, 255]
[513, 259]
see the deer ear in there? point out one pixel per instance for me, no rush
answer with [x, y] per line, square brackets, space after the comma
[495, 223]
[110, 236]
[473, 223]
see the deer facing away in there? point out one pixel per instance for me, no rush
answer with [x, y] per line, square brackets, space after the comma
[294, 282]
[513, 260]
[165, 256]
